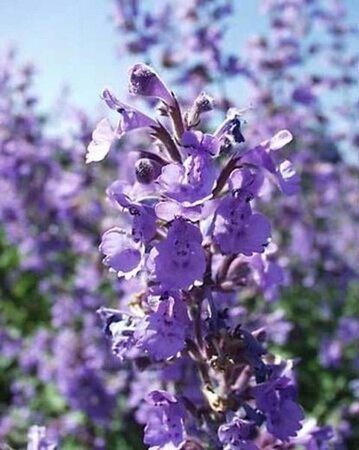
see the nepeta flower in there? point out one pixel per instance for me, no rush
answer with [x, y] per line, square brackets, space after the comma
[179, 260]
[188, 182]
[193, 179]
[198, 143]
[276, 399]
[236, 434]
[237, 229]
[185, 276]
[313, 437]
[348, 329]
[203, 103]
[104, 136]
[280, 139]
[304, 94]
[131, 118]
[145, 81]
[165, 427]
[248, 182]
[165, 329]
[143, 215]
[261, 156]
[122, 253]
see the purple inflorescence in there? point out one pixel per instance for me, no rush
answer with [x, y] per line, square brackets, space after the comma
[192, 227]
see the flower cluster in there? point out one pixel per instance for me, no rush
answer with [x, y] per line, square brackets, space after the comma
[192, 238]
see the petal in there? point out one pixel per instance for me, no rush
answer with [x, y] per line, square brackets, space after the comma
[122, 253]
[118, 191]
[288, 179]
[256, 236]
[160, 398]
[131, 118]
[171, 173]
[102, 138]
[280, 139]
[170, 209]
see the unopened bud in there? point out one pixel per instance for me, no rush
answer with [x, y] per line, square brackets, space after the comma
[202, 104]
[147, 170]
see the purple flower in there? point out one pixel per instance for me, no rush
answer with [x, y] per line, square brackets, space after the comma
[246, 181]
[104, 136]
[165, 329]
[287, 179]
[188, 182]
[143, 216]
[131, 118]
[321, 436]
[165, 426]
[196, 142]
[145, 81]
[236, 433]
[276, 398]
[179, 260]
[203, 103]
[122, 253]
[194, 179]
[237, 229]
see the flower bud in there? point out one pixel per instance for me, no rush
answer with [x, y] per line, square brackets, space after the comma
[202, 104]
[145, 81]
[147, 170]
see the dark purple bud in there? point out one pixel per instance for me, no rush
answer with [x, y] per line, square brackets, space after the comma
[147, 170]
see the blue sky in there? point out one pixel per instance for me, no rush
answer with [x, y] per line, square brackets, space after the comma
[73, 42]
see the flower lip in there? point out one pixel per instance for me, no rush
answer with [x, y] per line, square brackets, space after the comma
[131, 118]
[122, 253]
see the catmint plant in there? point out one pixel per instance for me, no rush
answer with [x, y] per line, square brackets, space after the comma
[190, 237]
